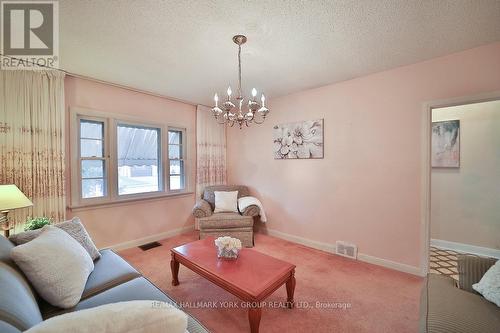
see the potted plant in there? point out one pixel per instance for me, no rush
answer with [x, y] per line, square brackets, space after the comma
[37, 223]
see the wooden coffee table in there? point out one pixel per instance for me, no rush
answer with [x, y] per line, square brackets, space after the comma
[252, 277]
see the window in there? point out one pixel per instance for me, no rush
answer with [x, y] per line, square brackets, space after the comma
[92, 159]
[176, 159]
[117, 159]
[139, 164]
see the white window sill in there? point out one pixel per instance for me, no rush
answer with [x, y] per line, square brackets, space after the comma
[128, 201]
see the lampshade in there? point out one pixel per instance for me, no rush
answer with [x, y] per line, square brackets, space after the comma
[12, 198]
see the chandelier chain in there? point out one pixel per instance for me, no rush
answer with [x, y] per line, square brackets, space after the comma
[239, 71]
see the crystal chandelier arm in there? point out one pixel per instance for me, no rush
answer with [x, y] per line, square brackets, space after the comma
[220, 123]
[258, 122]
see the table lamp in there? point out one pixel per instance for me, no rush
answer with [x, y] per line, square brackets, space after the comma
[11, 198]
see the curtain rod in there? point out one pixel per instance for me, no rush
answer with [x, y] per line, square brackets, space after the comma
[117, 85]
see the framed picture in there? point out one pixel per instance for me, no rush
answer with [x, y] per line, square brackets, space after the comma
[300, 140]
[445, 144]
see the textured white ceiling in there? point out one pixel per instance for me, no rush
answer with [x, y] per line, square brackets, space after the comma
[183, 49]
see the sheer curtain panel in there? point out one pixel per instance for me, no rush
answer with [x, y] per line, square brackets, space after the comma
[32, 141]
[211, 150]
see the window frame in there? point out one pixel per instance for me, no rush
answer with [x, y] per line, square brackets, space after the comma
[111, 122]
[182, 159]
[105, 158]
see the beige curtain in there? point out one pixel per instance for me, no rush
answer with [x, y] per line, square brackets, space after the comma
[32, 141]
[211, 150]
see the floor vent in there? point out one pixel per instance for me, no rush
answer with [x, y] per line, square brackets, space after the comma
[346, 249]
[149, 246]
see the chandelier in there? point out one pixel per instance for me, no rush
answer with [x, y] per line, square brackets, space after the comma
[254, 113]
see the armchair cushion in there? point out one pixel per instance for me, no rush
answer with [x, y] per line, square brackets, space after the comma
[225, 221]
[445, 308]
[202, 209]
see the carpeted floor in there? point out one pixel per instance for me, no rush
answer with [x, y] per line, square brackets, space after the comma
[333, 294]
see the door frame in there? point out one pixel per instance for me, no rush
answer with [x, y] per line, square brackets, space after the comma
[425, 178]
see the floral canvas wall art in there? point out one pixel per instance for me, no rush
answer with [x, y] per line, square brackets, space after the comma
[446, 144]
[298, 140]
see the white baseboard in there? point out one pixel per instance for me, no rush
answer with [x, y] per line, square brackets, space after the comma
[152, 238]
[361, 256]
[466, 248]
[390, 264]
[304, 241]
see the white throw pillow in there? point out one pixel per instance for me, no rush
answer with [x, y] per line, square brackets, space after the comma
[133, 317]
[56, 265]
[226, 201]
[489, 286]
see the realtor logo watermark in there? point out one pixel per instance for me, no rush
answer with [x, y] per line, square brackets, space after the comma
[30, 34]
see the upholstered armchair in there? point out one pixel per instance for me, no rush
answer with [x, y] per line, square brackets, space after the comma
[238, 225]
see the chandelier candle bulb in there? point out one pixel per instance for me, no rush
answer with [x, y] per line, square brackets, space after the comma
[263, 99]
[254, 93]
[216, 99]
[229, 92]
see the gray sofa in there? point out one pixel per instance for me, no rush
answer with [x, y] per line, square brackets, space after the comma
[113, 280]
[238, 225]
[446, 307]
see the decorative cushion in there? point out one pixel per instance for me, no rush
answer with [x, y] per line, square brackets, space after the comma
[132, 316]
[56, 265]
[73, 227]
[226, 201]
[489, 285]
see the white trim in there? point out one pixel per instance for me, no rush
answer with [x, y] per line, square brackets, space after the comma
[182, 159]
[330, 248]
[425, 185]
[414, 270]
[129, 201]
[466, 248]
[152, 238]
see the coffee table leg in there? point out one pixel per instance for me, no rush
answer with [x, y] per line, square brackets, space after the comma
[254, 314]
[174, 266]
[290, 289]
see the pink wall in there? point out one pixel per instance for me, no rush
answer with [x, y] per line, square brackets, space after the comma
[127, 222]
[367, 188]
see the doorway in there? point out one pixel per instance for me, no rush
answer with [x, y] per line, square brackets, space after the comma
[462, 182]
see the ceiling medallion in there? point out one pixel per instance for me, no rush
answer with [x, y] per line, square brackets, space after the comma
[254, 113]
